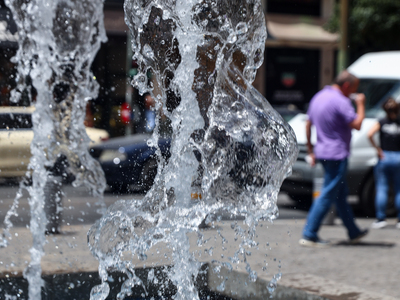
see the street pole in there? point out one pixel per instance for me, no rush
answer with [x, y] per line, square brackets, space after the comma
[343, 49]
[128, 89]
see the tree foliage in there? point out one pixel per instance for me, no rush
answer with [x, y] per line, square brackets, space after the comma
[373, 26]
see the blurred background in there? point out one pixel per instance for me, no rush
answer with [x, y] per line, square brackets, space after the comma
[304, 50]
[309, 42]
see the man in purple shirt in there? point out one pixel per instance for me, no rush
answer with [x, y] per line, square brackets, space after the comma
[333, 116]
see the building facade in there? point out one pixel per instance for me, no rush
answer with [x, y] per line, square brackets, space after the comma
[300, 55]
[299, 60]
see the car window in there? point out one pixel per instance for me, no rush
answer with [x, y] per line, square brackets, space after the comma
[376, 92]
[15, 121]
[286, 112]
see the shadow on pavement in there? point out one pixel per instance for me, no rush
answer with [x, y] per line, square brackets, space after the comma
[367, 244]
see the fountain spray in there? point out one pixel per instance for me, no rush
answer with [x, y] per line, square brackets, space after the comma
[58, 41]
[229, 148]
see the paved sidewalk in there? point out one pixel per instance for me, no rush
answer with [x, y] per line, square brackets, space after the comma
[369, 270]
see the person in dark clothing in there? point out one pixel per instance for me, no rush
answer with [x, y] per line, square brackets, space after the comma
[387, 170]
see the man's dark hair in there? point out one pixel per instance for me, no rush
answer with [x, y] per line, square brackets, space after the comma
[345, 76]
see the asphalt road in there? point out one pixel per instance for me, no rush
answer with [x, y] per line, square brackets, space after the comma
[80, 208]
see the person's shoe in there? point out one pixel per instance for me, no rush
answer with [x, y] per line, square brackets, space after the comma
[314, 243]
[52, 231]
[204, 225]
[359, 237]
[378, 224]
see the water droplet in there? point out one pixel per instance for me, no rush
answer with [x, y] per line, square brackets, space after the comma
[272, 286]
[253, 276]
[148, 52]
[241, 28]
[100, 292]
[232, 38]
[221, 287]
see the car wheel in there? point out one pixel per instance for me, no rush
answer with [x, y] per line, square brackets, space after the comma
[368, 199]
[303, 201]
[148, 174]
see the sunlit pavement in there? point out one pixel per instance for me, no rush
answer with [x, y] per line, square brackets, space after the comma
[79, 208]
[369, 270]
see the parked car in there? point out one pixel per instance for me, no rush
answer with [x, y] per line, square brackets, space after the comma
[287, 112]
[129, 163]
[379, 75]
[16, 135]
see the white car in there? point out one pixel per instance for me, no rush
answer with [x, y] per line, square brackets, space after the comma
[379, 75]
[16, 135]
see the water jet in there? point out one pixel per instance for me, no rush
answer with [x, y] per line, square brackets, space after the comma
[229, 147]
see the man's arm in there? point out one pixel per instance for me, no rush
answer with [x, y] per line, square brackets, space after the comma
[360, 104]
[310, 149]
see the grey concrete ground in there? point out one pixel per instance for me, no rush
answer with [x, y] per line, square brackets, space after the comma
[369, 270]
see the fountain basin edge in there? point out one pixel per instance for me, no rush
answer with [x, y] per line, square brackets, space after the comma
[74, 286]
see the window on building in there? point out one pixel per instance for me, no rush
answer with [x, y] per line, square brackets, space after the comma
[114, 1]
[292, 76]
[109, 68]
[295, 7]
[113, 4]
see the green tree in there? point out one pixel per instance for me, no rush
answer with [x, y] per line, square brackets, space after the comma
[374, 25]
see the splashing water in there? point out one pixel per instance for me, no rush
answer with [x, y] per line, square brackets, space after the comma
[58, 40]
[229, 149]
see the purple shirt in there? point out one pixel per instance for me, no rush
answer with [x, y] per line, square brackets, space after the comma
[331, 113]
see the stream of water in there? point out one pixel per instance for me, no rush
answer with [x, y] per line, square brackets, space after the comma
[58, 40]
[230, 150]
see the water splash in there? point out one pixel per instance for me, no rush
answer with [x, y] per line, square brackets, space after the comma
[229, 147]
[58, 41]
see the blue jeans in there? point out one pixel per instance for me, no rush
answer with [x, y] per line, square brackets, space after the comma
[387, 171]
[335, 191]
